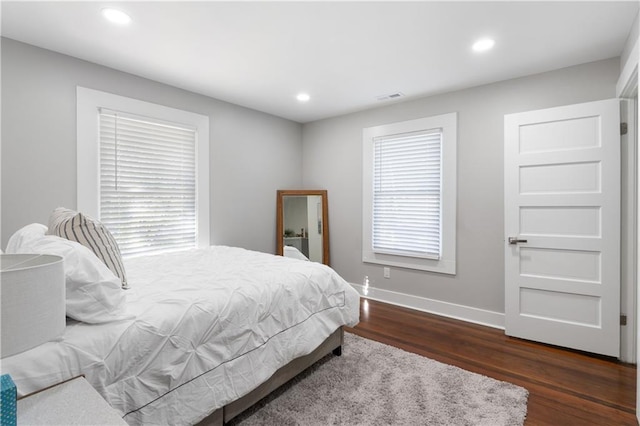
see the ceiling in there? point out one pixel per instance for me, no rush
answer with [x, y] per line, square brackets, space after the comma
[343, 54]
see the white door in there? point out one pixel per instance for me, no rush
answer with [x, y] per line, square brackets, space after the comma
[562, 215]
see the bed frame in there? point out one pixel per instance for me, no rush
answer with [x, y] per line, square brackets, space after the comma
[333, 343]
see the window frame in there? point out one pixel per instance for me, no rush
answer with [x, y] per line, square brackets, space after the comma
[446, 264]
[89, 102]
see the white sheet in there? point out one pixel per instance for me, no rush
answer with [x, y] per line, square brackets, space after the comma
[210, 325]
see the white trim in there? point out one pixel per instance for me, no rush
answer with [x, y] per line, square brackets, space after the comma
[437, 307]
[88, 158]
[447, 262]
[629, 216]
[628, 80]
[637, 260]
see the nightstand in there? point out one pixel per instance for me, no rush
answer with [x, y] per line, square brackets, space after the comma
[73, 402]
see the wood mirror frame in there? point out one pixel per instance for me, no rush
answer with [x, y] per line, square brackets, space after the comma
[324, 225]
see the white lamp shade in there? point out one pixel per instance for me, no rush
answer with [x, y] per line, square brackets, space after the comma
[32, 299]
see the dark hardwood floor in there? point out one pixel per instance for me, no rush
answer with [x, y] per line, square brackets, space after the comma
[565, 387]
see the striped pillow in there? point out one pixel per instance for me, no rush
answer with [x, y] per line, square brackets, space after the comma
[92, 234]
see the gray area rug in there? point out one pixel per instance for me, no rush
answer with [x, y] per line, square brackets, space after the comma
[376, 384]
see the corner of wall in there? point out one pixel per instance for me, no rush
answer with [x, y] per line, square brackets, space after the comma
[629, 61]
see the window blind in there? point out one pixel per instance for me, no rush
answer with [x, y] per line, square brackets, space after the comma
[407, 194]
[147, 183]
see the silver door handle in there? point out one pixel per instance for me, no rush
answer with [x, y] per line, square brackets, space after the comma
[515, 240]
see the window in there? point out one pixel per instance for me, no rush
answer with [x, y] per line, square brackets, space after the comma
[143, 171]
[409, 194]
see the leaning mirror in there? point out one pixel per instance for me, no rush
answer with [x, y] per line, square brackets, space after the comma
[302, 229]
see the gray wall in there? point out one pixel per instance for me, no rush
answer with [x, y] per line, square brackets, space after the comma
[252, 154]
[634, 34]
[295, 214]
[332, 159]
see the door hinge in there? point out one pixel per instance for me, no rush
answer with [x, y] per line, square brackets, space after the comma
[623, 320]
[624, 128]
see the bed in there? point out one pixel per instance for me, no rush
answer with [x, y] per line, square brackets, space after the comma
[202, 334]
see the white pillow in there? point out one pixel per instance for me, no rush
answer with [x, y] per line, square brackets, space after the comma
[290, 251]
[25, 236]
[93, 293]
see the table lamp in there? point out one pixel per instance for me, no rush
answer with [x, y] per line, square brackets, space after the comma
[32, 301]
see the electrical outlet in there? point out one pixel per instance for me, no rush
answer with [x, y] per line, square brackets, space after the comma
[387, 272]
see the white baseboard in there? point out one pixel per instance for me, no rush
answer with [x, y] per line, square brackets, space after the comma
[437, 307]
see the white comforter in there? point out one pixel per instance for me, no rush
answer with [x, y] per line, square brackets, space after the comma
[208, 326]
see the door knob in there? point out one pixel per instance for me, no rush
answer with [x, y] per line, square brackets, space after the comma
[515, 240]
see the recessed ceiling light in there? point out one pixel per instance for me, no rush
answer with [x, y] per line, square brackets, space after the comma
[116, 16]
[303, 97]
[483, 45]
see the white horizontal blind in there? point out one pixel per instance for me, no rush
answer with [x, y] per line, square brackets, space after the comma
[147, 183]
[407, 194]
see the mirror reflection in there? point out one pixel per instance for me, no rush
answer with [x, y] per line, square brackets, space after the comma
[302, 225]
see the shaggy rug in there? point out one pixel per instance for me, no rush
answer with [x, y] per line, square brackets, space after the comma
[376, 384]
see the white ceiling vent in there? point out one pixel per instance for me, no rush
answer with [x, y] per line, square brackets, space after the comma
[390, 96]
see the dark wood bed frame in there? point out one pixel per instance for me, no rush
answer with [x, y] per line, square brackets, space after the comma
[222, 415]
